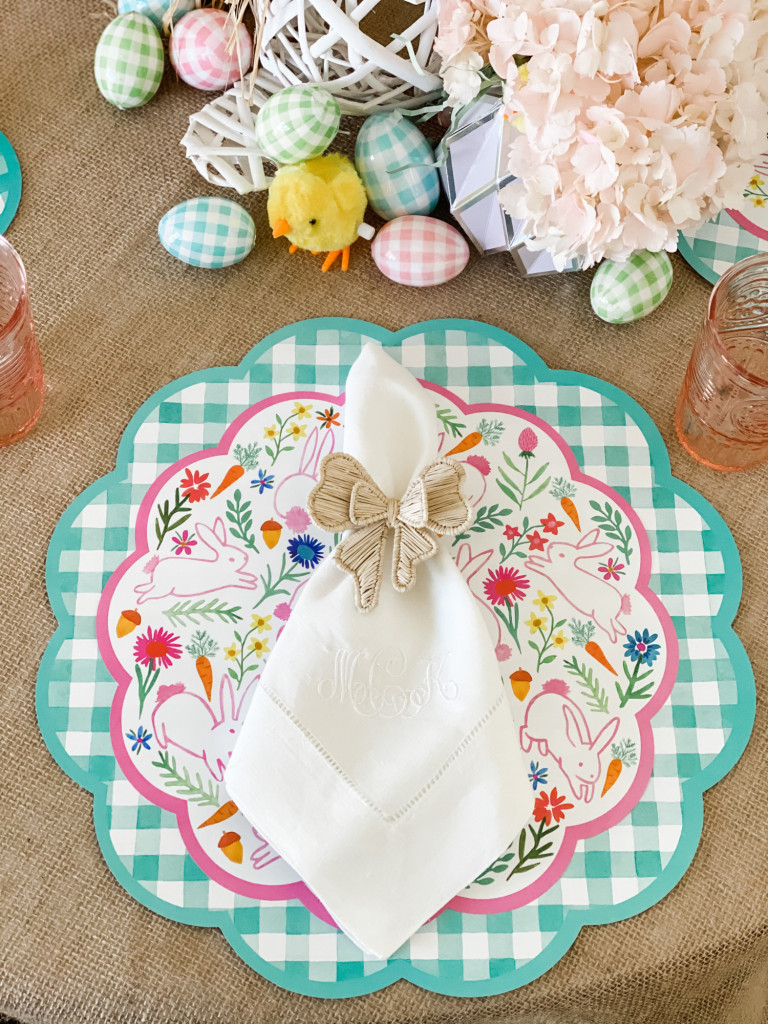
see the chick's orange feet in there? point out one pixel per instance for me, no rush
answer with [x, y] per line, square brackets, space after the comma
[333, 255]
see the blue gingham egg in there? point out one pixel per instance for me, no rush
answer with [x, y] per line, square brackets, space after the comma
[208, 232]
[156, 10]
[394, 161]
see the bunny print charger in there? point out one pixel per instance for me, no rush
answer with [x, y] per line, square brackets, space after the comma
[607, 587]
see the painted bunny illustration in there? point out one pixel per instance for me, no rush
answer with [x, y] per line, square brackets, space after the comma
[294, 489]
[568, 568]
[187, 721]
[577, 753]
[469, 566]
[191, 577]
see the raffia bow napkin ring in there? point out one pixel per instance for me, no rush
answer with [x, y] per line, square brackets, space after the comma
[346, 498]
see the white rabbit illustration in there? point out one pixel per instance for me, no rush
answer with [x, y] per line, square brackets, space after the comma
[567, 567]
[294, 490]
[575, 751]
[187, 721]
[191, 577]
[469, 566]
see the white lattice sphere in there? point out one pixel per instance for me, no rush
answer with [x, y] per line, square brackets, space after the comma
[297, 124]
[200, 53]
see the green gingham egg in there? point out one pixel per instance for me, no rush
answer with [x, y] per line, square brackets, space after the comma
[629, 290]
[393, 159]
[156, 10]
[129, 61]
[208, 232]
[297, 123]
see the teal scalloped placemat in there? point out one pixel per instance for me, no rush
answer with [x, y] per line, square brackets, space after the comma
[699, 734]
[10, 184]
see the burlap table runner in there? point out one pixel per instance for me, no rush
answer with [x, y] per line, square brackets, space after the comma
[117, 319]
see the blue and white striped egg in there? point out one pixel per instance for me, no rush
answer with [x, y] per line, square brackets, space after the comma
[208, 232]
[156, 10]
[394, 161]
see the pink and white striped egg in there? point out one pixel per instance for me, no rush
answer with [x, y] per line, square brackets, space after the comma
[419, 251]
[198, 50]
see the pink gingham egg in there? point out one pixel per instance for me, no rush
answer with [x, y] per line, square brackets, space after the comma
[198, 50]
[419, 251]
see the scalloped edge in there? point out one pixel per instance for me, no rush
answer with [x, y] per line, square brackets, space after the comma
[692, 789]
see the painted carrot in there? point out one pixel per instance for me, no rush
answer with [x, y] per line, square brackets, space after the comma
[225, 811]
[201, 648]
[622, 754]
[596, 651]
[566, 492]
[246, 458]
[470, 441]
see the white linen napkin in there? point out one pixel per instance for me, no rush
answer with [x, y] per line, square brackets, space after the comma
[379, 755]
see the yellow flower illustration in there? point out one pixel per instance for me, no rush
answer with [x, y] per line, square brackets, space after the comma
[756, 181]
[297, 430]
[545, 600]
[260, 647]
[758, 201]
[261, 622]
[270, 432]
[560, 640]
[535, 623]
[301, 411]
[230, 653]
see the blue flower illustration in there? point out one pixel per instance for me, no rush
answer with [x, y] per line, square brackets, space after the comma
[641, 646]
[264, 481]
[140, 739]
[537, 776]
[305, 550]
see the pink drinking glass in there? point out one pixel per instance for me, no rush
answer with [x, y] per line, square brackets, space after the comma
[21, 372]
[722, 412]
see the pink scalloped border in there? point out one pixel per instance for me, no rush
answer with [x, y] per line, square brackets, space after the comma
[299, 890]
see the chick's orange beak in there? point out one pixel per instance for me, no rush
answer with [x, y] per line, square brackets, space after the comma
[281, 227]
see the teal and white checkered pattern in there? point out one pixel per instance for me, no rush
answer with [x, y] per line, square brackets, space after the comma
[627, 291]
[385, 144]
[717, 245]
[156, 10]
[129, 61]
[208, 232]
[698, 735]
[298, 123]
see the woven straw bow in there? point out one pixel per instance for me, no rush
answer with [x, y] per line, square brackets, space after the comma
[346, 498]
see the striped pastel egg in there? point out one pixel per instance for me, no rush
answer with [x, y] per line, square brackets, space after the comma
[419, 251]
[297, 124]
[156, 10]
[129, 61]
[394, 160]
[208, 232]
[629, 290]
[199, 50]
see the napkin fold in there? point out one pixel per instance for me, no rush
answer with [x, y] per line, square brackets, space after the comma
[379, 755]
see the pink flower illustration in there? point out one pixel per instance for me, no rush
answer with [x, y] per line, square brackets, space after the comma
[527, 441]
[296, 519]
[283, 611]
[184, 541]
[480, 463]
[504, 586]
[157, 645]
[503, 652]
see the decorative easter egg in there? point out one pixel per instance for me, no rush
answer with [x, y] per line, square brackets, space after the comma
[625, 291]
[419, 251]
[394, 160]
[129, 61]
[298, 123]
[156, 10]
[208, 232]
[199, 50]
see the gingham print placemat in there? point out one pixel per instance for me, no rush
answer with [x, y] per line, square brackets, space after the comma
[717, 245]
[699, 734]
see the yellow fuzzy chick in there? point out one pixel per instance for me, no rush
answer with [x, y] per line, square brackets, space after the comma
[318, 205]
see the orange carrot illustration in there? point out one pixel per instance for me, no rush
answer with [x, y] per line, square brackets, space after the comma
[231, 847]
[566, 492]
[246, 458]
[470, 441]
[201, 648]
[599, 655]
[622, 754]
[488, 431]
[225, 811]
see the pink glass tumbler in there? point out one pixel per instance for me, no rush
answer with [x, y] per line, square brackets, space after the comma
[722, 411]
[21, 372]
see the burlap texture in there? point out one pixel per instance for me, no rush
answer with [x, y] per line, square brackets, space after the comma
[117, 319]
